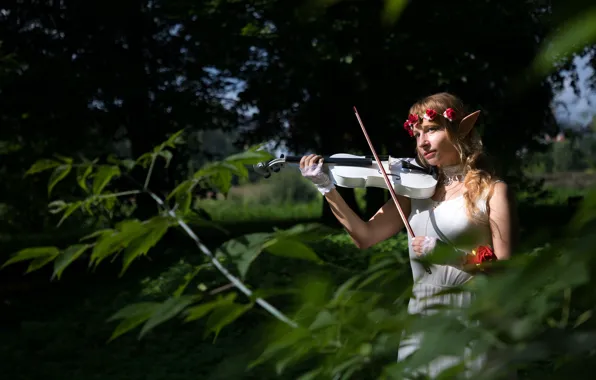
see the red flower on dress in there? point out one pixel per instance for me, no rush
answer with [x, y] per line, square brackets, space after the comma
[481, 254]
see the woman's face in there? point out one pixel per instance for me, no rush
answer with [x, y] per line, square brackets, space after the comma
[434, 145]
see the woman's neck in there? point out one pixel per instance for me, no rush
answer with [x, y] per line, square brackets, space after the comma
[451, 173]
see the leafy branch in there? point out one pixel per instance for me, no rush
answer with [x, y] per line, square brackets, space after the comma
[133, 238]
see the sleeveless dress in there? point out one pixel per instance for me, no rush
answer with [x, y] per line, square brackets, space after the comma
[448, 222]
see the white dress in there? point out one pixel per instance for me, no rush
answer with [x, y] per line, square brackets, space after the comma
[448, 222]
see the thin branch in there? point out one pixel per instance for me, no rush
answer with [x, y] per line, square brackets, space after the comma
[235, 281]
[153, 157]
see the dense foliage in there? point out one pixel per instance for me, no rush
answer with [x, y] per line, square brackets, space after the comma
[341, 321]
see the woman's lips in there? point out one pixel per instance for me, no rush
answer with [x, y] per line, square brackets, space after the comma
[429, 154]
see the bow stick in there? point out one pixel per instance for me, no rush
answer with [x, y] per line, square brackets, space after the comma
[387, 182]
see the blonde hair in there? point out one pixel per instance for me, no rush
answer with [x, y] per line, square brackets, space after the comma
[478, 171]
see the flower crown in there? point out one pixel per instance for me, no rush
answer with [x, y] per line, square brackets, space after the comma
[430, 114]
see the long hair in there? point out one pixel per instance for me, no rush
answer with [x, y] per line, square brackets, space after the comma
[479, 173]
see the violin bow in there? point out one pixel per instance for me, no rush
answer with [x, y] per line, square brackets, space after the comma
[387, 182]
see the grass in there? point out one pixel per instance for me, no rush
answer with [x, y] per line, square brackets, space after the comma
[238, 211]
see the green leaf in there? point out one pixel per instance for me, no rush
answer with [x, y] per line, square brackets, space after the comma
[242, 251]
[223, 315]
[57, 206]
[198, 312]
[42, 165]
[189, 277]
[32, 254]
[155, 229]
[145, 159]
[392, 10]
[175, 139]
[290, 339]
[249, 157]
[128, 164]
[58, 175]
[103, 176]
[578, 33]
[167, 310]
[39, 263]
[72, 207]
[167, 155]
[194, 218]
[132, 316]
[291, 248]
[68, 256]
[307, 232]
[83, 172]
[323, 319]
[183, 195]
[113, 241]
[582, 318]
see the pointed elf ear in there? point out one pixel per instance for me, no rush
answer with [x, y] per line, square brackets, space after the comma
[467, 123]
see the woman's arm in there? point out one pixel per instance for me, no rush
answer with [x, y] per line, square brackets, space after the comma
[384, 224]
[503, 221]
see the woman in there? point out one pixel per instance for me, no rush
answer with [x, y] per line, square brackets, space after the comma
[471, 207]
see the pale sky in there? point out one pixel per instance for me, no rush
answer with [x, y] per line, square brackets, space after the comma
[578, 109]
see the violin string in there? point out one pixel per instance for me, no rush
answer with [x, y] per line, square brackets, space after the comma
[387, 182]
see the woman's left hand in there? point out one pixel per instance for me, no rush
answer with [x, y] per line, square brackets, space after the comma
[423, 244]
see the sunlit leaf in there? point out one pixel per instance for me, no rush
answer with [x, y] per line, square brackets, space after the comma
[42, 165]
[67, 257]
[189, 277]
[167, 310]
[585, 316]
[392, 10]
[175, 139]
[249, 157]
[285, 341]
[34, 253]
[56, 206]
[183, 194]
[291, 248]
[114, 241]
[103, 176]
[72, 207]
[194, 218]
[223, 315]
[166, 155]
[323, 319]
[58, 175]
[154, 230]
[132, 316]
[83, 172]
[39, 263]
[242, 251]
[307, 232]
[198, 312]
[128, 164]
[576, 34]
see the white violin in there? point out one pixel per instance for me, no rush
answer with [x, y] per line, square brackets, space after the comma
[407, 177]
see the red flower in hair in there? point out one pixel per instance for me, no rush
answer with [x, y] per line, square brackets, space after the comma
[408, 128]
[411, 123]
[430, 114]
[449, 114]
